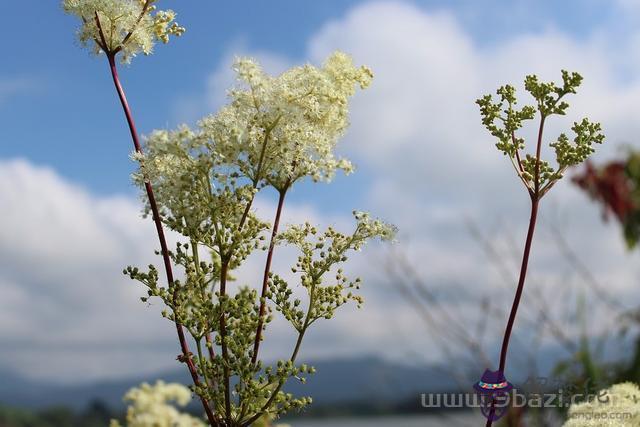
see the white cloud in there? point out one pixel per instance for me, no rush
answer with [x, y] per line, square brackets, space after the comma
[11, 86]
[66, 306]
[67, 312]
[192, 108]
[431, 165]
[419, 130]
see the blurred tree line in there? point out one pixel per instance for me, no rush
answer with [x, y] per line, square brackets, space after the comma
[96, 414]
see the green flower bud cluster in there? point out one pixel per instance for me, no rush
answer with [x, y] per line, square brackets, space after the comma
[570, 154]
[510, 118]
[320, 252]
[548, 95]
[503, 121]
[190, 301]
[546, 171]
[267, 388]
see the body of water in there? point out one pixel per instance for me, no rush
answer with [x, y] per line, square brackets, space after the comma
[454, 420]
[465, 419]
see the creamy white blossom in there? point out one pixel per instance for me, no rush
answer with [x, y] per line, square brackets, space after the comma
[618, 406]
[122, 26]
[149, 406]
[275, 132]
[292, 121]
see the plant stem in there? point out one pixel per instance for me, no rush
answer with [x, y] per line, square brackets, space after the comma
[301, 332]
[196, 262]
[223, 338]
[209, 342]
[521, 281]
[224, 270]
[516, 301]
[257, 177]
[537, 194]
[292, 359]
[535, 201]
[265, 281]
[186, 353]
[265, 278]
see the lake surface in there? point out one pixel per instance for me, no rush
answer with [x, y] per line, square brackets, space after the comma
[454, 420]
[468, 419]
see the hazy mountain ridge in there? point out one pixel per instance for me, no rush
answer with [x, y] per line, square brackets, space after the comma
[359, 379]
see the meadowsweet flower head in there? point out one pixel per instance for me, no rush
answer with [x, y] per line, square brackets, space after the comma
[617, 406]
[122, 26]
[149, 406]
[275, 131]
[292, 122]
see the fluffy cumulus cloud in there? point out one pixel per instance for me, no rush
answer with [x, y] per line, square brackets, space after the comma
[67, 312]
[433, 166]
[66, 307]
[430, 169]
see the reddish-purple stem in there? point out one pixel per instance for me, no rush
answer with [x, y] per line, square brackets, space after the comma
[223, 337]
[186, 353]
[535, 200]
[265, 278]
[523, 275]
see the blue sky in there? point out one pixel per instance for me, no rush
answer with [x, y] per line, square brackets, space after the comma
[64, 114]
[424, 162]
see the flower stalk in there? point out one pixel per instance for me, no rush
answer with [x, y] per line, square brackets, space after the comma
[111, 46]
[201, 184]
[164, 250]
[265, 279]
[502, 119]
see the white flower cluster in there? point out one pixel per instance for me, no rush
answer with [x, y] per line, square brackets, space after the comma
[149, 406]
[291, 121]
[126, 26]
[275, 131]
[618, 406]
[369, 227]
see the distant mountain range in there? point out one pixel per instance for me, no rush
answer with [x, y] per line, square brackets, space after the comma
[366, 379]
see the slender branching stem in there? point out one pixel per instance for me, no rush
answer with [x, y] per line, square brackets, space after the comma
[225, 267]
[521, 281]
[184, 346]
[308, 320]
[223, 338]
[196, 262]
[538, 154]
[265, 278]
[535, 201]
[292, 359]
[258, 173]
[126, 38]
